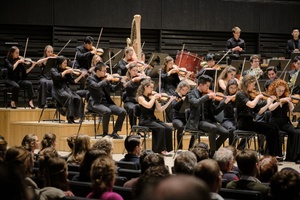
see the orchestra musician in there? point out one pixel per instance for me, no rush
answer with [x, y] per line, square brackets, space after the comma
[62, 93]
[16, 76]
[209, 64]
[179, 119]
[45, 81]
[293, 45]
[272, 75]
[227, 74]
[236, 44]
[255, 69]
[228, 104]
[280, 109]
[100, 86]
[96, 58]
[161, 132]
[133, 81]
[202, 112]
[293, 74]
[247, 105]
[128, 57]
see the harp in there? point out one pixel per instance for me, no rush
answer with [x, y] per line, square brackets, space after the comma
[135, 36]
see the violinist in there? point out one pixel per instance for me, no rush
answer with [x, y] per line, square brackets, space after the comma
[179, 119]
[227, 74]
[280, 110]
[255, 69]
[62, 93]
[100, 87]
[133, 81]
[45, 81]
[128, 57]
[161, 132]
[293, 74]
[16, 76]
[247, 106]
[202, 112]
[96, 58]
[208, 64]
[272, 75]
[228, 105]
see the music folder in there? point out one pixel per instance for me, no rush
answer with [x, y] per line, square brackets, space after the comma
[51, 62]
[185, 105]
[294, 54]
[155, 71]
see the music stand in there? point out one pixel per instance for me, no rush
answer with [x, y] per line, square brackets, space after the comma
[293, 55]
[247, 56]
[211, 72]
[51, 62]
[115, 60]
[238, 64]
[157, 58]
[280, 64]
[155, 71]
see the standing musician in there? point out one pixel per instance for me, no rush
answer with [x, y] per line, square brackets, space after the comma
[45, 80]
[236, 44]
[247, 106]
[128, 57]
[255, 69]
[293, 76]
[272, 75]
[16, 76]
[133, 81]
[62, 93]
[293, 45]
[227, 74]
[280, 109]
[228, 104]
[179, 119]
[99, 85]
[161, 132]
[202, 112]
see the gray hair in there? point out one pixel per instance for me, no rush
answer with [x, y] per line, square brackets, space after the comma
[223, 156]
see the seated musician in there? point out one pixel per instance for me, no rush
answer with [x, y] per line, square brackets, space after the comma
[179, 119]
[247, 105]
[16, 76]
[272, 75]
[293, 74]
[62, 93]
[96, 58]
[100, 86]
[208, 64]
[280, 116]
[202, 112]
[128, 57]
[161, 132]
[293, 45]
[227, 74]
[255, 69]
[45, 80]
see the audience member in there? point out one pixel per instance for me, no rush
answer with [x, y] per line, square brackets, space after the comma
[44, 156]
[200, 153]
[49, 140]
[285, 185]
[268, 166]
[208, 170]
[184, 163]
[79, 145]
[3, 148]
[247, 161]
[105, 144]
[224, 158]
[30, 142]
[133, 147]
[234, 152]
[103, 174]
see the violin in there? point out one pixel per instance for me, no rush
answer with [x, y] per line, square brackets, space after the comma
[76, 72]
[115, 77]
[98, 51]
[254, 93]
[27, 61]
[164, 96]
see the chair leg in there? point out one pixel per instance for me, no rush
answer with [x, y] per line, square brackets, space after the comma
[179, 143]
[95, 125]
[41, 114]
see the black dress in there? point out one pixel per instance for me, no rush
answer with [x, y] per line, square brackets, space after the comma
[64, 95]
[161, 132]
[45, 86]
[281, 119]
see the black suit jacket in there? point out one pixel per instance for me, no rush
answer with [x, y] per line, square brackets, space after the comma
[291, 47]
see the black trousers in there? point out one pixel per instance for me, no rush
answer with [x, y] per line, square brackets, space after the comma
[128, 106]
[161, 135]
[16, 88]
[178, 125]
[45, 88]
[106, 110]
[230, 126]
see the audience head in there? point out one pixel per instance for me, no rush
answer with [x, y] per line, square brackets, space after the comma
[56, 174]
[44, 156]
[268, 166]
[285, 185]
[105, 144]
[103, 174]
[31, 142]
[3, 148]
[184, 163]
[179, 187]
[224, 158]
[200, 153]
[20, 157]
[201, 145]
[80, 144]
[247, 162]
[208, 170]
[49, 140]
[133, 144]
[150, 160]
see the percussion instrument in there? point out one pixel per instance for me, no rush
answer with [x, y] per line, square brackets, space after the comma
[188, 60]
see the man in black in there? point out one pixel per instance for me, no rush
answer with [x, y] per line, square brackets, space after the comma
[99, 86]
[236, 44]
[202, 112]
[293, 45]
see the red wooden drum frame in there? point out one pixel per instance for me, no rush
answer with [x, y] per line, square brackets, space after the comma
[188, 60]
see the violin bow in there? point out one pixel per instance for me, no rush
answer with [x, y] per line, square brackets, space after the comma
[244, 61]
[25, 48]
[64, 47]
[223, 57]
[159, 81]
[99, 38]
[215, 85]
[258, 86]
[181, 55]
[110, 62]
[284, 69]
[74, 60]
[112, 57]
